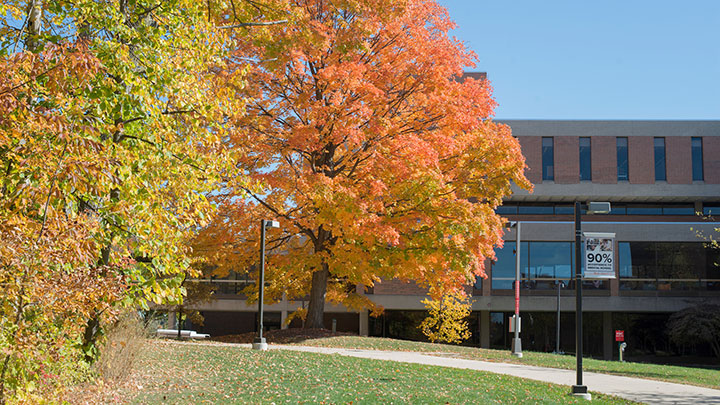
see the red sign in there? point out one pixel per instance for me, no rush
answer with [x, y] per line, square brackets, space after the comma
[619, 335]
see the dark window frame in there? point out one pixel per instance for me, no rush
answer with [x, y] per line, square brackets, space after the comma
[697, 158]
[623, 161]
[660, 154]
[548, 158]
[585, 152]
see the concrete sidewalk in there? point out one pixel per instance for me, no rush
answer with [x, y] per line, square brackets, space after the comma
[636, 389]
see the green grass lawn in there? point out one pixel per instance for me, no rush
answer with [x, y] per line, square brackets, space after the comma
[170, 372]
[683, 375]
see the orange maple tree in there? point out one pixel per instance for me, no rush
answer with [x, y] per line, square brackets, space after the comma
[367, 145]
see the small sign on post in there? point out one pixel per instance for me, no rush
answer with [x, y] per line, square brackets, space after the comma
[620, 339]
[599, 255]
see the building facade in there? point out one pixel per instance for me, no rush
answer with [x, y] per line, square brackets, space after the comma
[657, 175]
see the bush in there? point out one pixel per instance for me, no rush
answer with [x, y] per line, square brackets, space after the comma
[696, 324]
[124, 343]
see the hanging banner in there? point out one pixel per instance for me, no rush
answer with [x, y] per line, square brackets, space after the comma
[599, 255]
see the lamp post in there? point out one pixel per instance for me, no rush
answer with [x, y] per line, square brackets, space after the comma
[259, 342]
[592, 208]
[516, 347]
[560, 284]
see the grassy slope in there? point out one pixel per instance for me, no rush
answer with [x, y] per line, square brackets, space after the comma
[683, 375]
[196, 373]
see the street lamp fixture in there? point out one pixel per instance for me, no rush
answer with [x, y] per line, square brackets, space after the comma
[592, 208]
[259, 343]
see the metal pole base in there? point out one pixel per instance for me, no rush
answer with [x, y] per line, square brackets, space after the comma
[260, 344]
[516, 347]
[581, 391]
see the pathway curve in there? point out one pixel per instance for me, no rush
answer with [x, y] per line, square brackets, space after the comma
[636, 389]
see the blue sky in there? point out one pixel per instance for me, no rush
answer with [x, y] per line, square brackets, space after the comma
[609, 59]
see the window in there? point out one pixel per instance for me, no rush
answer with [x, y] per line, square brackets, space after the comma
[548, 159]
[503, 269]
[585, 159]
[667, 266]
[697, 159]
[507, 209]
[711, 209]
[535, 209]
[541, 263]
[660, 173]
[622, 158]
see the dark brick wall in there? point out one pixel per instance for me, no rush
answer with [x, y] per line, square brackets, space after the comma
[567, 159]
[641, 160]
[678, 156]
[604, 159]
[711, 159]
[532, 150]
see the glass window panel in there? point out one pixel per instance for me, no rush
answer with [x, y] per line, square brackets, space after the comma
[622, 158]
[564, 210]
[697, 159]
[638, 266]
[678, 210]
[503, 270]
[585, 159]
[617, 209]
[676, 260]
[549, 260]
[711, 209]
[535, 209]
[712, 269]
[624, 260]
[644, 210]
[548, 159]
[660, 174]
[506, 210]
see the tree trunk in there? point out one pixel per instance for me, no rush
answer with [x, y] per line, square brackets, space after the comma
[179, 323]
[316, 306]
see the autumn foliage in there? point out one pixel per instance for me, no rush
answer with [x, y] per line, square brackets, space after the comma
[110, 136]
[447, 319]
[374, 154]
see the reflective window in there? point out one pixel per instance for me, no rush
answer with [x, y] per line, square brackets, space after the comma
[564, 210]
[507, 209]
[711, 209]
[622, 158]
[679, 209]
[697, 159]
[503, 269]
[585, 159]
[660, 173]
[644, 209]
[535, 209]
[618, 209]
[667, 266]
[548, 159]
[540, 264]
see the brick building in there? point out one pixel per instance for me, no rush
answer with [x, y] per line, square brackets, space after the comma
[657, 176]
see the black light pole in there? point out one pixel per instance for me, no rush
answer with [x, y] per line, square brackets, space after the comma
[592, 208]
[259, 343]
[557, 326]
[578, 389]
